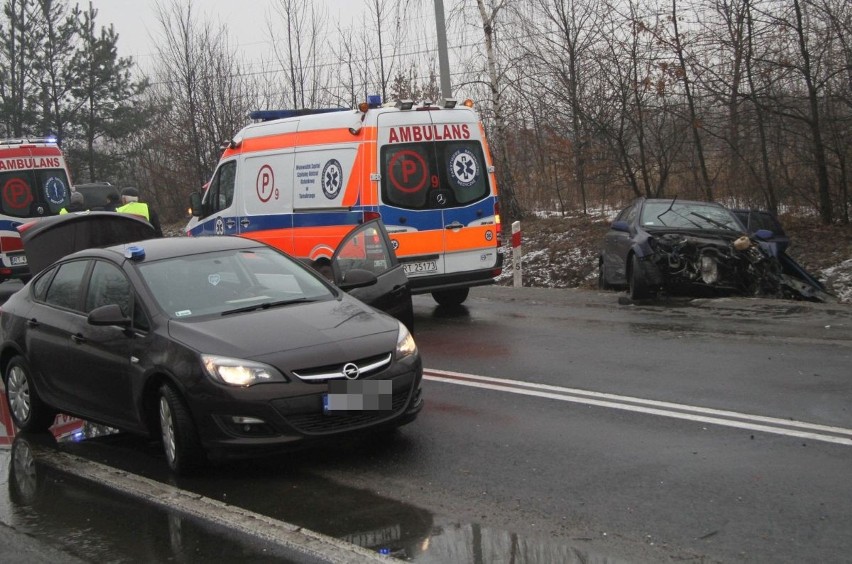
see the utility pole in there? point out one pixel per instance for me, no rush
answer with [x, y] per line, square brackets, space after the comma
[443, 56]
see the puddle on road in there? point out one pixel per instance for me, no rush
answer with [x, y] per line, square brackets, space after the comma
[95, 524]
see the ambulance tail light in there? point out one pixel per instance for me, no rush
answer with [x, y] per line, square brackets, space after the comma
[371, 215]
[497, 224]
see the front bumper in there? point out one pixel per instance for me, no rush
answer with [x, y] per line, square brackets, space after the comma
[279, 417]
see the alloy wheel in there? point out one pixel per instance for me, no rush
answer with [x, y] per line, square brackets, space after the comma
[167, 428]
[18, 390]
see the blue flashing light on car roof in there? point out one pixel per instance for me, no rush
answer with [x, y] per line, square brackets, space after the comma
[374, 100]
[268, 115]
[134, 253]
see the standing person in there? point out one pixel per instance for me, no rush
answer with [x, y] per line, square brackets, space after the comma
[131, 204]
[113, 201]
[75, 204]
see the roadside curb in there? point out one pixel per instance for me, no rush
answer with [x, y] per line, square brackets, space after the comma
[303, 543]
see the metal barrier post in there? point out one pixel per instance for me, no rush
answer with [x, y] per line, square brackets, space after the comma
[516, 254]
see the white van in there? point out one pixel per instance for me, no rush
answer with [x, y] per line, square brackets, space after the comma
[300, 180]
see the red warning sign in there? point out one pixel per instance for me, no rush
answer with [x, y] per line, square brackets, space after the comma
[17, 194]
[407, 171]
[265, 183]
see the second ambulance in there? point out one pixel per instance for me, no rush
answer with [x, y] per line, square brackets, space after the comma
[300, 180]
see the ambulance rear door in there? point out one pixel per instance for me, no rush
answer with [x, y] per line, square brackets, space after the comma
[437, 198]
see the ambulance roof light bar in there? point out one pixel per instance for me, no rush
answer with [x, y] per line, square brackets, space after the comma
[405, 104]
[268, 115]
[450, 103]
[27, 141]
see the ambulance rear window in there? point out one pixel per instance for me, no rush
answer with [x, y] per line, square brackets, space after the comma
[433, 175]
[33, 193]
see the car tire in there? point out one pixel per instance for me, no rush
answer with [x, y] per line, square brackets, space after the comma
[638, 287]
[183, 449]
[28, 410]
[453, 297]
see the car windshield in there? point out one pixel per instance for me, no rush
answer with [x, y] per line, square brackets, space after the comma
[230, 282]
[688, 215]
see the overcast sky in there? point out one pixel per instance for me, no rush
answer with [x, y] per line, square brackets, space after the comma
[135, 22]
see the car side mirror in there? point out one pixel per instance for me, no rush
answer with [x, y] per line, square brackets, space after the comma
[620, 226]
[763, 234]
[356, 278]
[109, 314]
[195, 204]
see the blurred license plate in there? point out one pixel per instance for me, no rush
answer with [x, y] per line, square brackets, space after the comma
[18, 259]
[367, 395]
[422, 267]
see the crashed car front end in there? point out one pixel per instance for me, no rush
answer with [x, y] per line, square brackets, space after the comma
[722, 262]
[718, 262]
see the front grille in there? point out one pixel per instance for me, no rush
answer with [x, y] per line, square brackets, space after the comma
[366, 367]
[318, 423]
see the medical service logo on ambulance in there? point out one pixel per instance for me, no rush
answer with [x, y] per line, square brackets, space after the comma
[54, 190]
[463, 168]
[332, 179]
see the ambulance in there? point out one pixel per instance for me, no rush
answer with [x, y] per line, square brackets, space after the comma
[33, 184]
[301, 179]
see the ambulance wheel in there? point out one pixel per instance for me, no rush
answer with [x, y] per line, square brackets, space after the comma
[28, 411]
[453, 297]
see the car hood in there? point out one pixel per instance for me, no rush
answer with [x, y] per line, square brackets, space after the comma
[327, 326]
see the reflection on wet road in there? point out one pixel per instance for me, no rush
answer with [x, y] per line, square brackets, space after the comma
[95, 523]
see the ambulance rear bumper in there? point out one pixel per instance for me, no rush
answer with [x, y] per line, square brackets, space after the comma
[466, 279]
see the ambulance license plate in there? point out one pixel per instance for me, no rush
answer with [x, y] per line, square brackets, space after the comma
[422, 267]
[18, 259]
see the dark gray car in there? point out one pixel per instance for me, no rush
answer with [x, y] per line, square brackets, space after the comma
[219, 345]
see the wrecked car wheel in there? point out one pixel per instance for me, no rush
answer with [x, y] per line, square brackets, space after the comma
[638, 288]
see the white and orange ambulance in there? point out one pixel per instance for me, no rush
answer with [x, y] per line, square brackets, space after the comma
[300, 180]
[33, 183]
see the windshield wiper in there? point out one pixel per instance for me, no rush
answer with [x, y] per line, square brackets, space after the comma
[267, 305]
[718, 224]
[671, 205]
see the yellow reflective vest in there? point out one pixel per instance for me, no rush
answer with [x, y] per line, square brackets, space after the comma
[135, 208]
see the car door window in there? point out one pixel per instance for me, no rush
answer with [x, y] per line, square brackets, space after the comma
[65, 288]
[365, 250]
[108, 285]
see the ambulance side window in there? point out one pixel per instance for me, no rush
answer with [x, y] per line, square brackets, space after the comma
[220, 195]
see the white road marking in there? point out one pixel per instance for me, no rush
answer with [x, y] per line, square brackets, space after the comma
[788, 427]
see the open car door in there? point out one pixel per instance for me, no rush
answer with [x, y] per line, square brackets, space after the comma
[366, 253]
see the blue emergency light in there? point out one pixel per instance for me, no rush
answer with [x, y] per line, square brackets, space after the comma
[374, 100]
[134, 253]
[268, 115]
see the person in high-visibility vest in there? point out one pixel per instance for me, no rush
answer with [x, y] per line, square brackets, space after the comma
[131, 204]
[75, 204]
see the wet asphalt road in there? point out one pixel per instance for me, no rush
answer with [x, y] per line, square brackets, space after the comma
[582, 466]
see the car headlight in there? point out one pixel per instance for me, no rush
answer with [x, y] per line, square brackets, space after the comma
[405, 345]
[239, 372]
